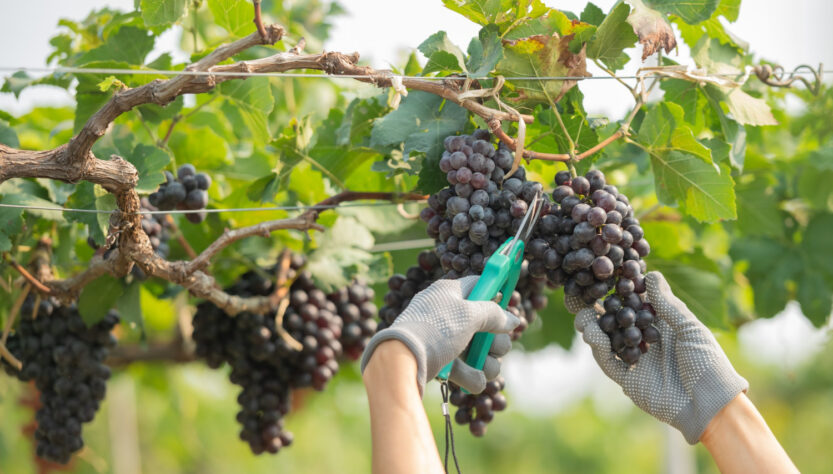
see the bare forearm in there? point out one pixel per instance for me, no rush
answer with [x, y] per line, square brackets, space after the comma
[740, 441]
[402, 438]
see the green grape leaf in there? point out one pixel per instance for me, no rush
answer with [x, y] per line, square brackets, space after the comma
[652, 29]
[733, 132]
[200, 146]
[728, 9]
[91, 196]
[815, 297]
[443, 62]
[771, 265]
[485, 52]
[265, 188]
[817, 244]
[235, 16]
[98, 298]
[381, 220]
[442, 54]
[5, 243]
[549, 136]
[691, 11]
[481, 12]
[29, 193]
[696, 280]
[421, 122]
[8, 136]
[129, 44]
[162, 12]
[21, 80]
[717, 58]
[704, 193]
[342, 253]
[539, 56]
[129, 306]
[249, 103]
[669, 239]
[341, 162]
[11, 221]
[592, 14]
[814, 180]
[688, 96]
[359, 118]
[612, 37]
[683, 170]
[156, 113]
[150, 162]
[758, 212]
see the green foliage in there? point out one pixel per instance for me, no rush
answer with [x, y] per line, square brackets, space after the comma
[233, 15]
[613, 36]
[98, 298]
[162, 12]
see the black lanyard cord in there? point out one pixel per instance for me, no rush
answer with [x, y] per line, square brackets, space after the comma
[449, 432]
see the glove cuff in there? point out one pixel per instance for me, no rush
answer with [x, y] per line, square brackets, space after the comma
[414, 336]
[709, 395]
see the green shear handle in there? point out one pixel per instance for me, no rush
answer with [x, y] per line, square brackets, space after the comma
[501, 274]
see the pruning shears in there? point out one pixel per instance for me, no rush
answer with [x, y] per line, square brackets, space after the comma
[500, 275]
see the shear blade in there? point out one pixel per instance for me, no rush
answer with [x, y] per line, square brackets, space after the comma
[528, 222]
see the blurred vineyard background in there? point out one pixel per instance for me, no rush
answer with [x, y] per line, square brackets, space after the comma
[563, 415]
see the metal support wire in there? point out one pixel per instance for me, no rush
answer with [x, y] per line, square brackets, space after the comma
[803, 69]
[187, 211]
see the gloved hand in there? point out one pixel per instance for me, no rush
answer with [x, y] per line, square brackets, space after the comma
[437, 326]
[684, 379]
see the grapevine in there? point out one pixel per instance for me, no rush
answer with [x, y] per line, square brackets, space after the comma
[274, 353]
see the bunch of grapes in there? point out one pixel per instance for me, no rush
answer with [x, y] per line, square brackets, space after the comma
[355, 306]
[157, 228]
[401, 288]
[258, 346]
[188, 191]
[312, 320]
[251, 345]
[591, 242]
[478, 410]
[65, 358]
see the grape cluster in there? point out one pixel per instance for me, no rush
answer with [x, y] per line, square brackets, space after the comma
[355, 306]
[591, 242]
[312, 320]
[188, 191]
[401, 288]
[65, 358]
[157, 228]
[478, 410]
[258, 346]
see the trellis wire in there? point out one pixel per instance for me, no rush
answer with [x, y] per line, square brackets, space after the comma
[188, 211]
[157, 72]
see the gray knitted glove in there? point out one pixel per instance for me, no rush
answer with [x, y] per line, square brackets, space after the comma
[684, 379]
[437, 326]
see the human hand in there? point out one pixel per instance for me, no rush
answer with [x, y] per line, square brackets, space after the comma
[437, 326]
[684, 379]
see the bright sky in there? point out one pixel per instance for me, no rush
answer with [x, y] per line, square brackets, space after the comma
[384, 32]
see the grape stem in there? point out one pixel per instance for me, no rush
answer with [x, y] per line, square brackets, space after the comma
[28, 276]
[258, 21]
[180, 238]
